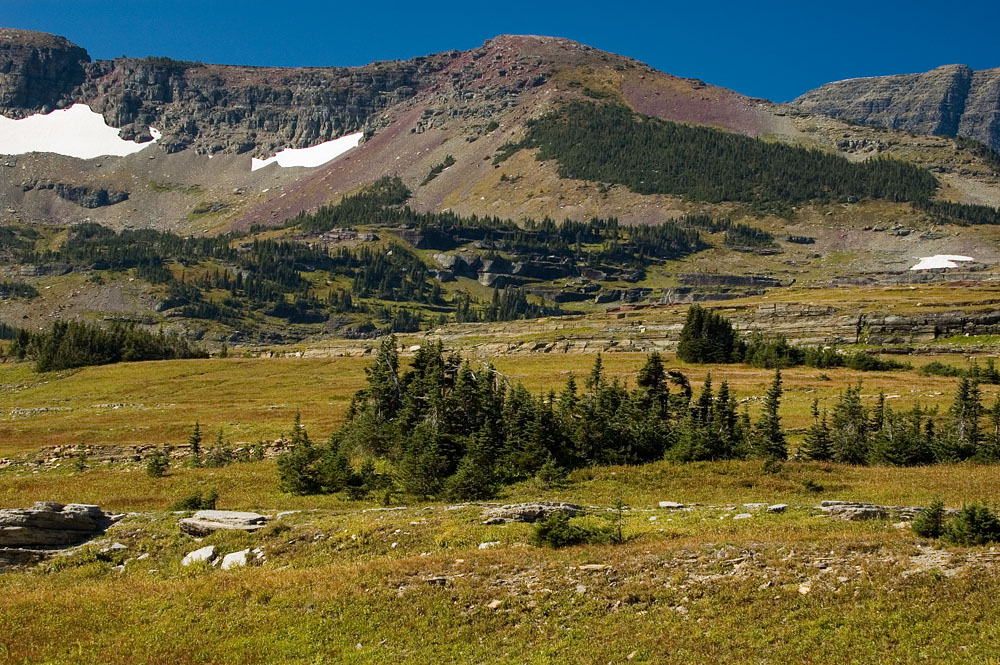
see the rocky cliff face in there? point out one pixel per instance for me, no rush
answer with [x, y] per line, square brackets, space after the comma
[952, 100]
[37, 70]
[212, 108]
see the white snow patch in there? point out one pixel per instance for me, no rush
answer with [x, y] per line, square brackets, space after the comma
[940, 261]
[317, 155]
[73, 132]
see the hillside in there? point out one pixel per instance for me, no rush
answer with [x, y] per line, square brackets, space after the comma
[759, 196]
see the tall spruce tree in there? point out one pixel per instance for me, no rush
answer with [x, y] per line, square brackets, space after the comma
[770, 435]
[817, 445]
[850, 427]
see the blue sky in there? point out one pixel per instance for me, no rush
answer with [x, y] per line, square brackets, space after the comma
[776, 50]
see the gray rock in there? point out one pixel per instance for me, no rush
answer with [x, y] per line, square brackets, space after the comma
[49, 524]
[205, 554]
[528, 512]
[742, 516]
[235, 559]
[671, 505]
[854, 511]
[205, 522]
[777, 508]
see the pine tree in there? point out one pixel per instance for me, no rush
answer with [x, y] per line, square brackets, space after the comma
[965, 433]
[989, 444]
[850, 428]
[194, 445]
[770, 436]
[817, 445]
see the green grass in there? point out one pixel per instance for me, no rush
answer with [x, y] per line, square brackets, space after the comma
[257, 398]
[685, 587]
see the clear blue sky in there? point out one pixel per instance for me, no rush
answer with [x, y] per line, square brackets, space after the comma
[776, 50]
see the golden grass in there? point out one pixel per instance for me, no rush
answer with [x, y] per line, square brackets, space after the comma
[256, 398]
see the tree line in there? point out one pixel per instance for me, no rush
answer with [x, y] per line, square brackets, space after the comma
[71, 344]
[708, 337]
[443, 427]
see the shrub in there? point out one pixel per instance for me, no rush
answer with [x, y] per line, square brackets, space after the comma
[197, 502]
[974, 525]
[558, 531]
[930, 523]
[158, 463]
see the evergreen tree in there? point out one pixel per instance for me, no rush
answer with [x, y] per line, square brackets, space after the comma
[770, 436]
[850, 428]
[707, 337]
[194, 445]
[989, 444]
[965, 433]
[817, 445]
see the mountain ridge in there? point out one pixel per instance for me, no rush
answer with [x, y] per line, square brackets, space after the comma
[950, 100]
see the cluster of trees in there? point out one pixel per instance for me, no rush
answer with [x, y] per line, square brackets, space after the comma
[70, 344]
[17, 290]
[509, 304]
[708, 337]
[444, 427]
[738, 236]
[989, 374]
[382, 204]
[854, 434]
[610, 143]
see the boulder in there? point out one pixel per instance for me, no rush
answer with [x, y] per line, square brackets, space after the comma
[49, 524]
[777, 508]
[235, 559]
[205, 522]
[671, 505]
[854, 511]
[205, 554]
[528, 512]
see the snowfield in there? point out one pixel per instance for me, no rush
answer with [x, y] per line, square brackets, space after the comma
[317, 155]
[940, 261]
[73, 132]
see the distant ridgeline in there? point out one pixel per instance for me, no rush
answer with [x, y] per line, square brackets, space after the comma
[238, 279]
[612, 144]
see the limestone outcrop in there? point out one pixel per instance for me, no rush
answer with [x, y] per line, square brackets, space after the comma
[49, 524]
[952, 100]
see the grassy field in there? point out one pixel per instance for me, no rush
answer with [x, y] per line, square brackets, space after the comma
[354, 582]
[341, 582]
[256, 398]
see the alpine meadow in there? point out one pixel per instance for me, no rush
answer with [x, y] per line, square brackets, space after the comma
[523, 353]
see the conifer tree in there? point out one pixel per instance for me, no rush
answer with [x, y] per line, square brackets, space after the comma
[850, 428]
[194, 445]
[817, 445]
[770, 436]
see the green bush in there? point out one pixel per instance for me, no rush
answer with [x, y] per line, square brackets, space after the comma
[158, 463]
[197, 502]
[974, 525]
[558, 530]
[931, 522]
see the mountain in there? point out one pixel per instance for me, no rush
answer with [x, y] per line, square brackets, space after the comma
[952, 100]
[531, 176]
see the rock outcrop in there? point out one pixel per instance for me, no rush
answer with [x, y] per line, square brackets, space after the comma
[37, 70]
[528, 512]
[952, 100]
[213, 108]
[205, 522]
[49, 524]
